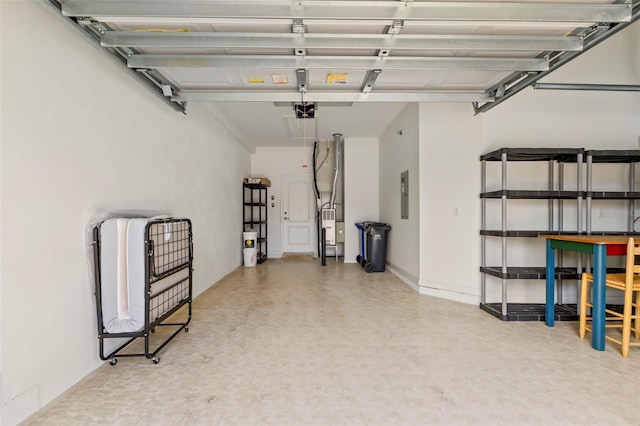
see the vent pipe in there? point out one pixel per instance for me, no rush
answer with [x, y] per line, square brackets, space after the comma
[337, 138]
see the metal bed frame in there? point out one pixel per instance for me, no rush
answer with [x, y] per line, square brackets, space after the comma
[163, 259]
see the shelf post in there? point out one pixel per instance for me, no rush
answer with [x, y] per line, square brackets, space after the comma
[550, 184]
[579, 188]
[631, 203]
[504, 235]
[483, 238]
[579, 161]
[589, 189]
[560, 226]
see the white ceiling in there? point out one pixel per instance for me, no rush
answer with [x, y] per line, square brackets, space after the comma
[263, 124]
[369, 56]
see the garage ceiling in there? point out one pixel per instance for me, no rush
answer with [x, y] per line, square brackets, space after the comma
[344, 52]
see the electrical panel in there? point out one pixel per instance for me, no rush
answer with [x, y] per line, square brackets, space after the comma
[404, 195]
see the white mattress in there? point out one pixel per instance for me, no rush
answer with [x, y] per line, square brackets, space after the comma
[122, 275]
[122, 290]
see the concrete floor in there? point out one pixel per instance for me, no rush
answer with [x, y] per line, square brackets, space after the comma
[295, 343]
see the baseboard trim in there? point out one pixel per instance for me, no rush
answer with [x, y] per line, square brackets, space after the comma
[456, 296]
[404, 276]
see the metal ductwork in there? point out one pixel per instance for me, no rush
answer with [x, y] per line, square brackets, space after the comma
[337, 139]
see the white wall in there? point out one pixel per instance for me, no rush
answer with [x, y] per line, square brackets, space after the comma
[399, 153]
[635, 37]
[275, 163]
[1, 316]
[450, 145]
[635, 47]
[82, 137]
[636, 68]
[361, 180]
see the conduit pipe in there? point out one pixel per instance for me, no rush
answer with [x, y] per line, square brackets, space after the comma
[598, 87]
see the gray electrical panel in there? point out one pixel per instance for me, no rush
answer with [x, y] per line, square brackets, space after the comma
[404, 195]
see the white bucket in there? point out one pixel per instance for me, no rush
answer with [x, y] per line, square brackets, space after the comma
[250, 257]
[250, 240]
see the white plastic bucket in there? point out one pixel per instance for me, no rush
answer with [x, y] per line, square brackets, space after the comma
[250, 240]
[250, 257]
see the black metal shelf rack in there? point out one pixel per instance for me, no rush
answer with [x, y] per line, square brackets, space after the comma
[254, 215]
[556, 195]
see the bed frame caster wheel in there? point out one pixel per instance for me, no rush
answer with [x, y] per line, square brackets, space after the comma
[186, 329]
[155, 359]
[113, 361]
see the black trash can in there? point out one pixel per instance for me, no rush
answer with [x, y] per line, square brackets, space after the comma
[376, 253]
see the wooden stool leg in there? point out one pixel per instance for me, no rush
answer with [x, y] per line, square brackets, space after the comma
[626, 322]
[584, 289]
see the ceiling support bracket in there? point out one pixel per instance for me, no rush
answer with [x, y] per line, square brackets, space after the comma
[370, 80]
[393, 29]
[298, 28]
[301, 75]
[396, 27]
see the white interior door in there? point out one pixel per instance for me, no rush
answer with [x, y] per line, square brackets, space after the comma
[298, 214]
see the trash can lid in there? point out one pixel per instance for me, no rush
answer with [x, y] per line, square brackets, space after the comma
[379, 227]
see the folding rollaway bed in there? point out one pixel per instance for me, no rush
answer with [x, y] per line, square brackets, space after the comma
[143, 275]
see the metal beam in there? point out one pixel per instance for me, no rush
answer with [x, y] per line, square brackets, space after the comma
[332, 9]
[596, 87]
[206, 40]
[162, 61]
[310, 96]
